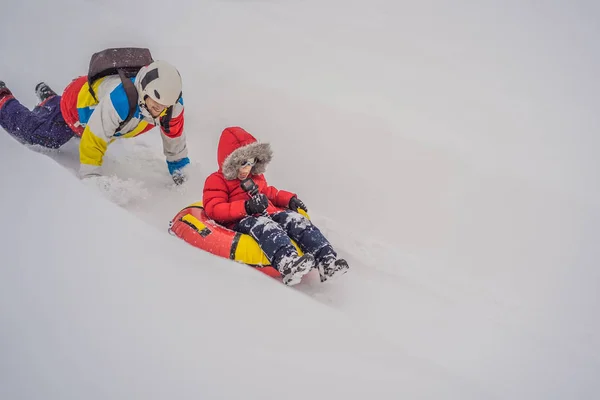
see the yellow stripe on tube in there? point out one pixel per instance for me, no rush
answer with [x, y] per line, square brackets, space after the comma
[249, 252]
[302, 212]
[194, 221]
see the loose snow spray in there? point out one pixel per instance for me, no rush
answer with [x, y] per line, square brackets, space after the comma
[119, 191]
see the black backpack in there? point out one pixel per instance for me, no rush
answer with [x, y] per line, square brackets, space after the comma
[126, 62]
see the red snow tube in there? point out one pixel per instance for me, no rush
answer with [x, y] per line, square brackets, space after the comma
[193, 226]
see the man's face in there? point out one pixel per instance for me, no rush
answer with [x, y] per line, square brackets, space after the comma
[154, 108]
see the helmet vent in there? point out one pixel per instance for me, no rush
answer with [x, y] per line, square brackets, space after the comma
[157, 94]
[150, 76]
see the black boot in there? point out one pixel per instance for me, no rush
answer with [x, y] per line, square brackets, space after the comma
[4, 91]
[44, 92]
[295, 268]
[333, 269]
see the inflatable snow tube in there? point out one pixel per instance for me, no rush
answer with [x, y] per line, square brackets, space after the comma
[192, 225]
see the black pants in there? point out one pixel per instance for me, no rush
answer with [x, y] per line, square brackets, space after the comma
[44, 125]
[275, 232]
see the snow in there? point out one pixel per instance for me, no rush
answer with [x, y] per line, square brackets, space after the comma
[97, 304]
[448, 150]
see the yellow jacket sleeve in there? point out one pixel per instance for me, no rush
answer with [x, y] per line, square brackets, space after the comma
[98, 133]
[91, 148]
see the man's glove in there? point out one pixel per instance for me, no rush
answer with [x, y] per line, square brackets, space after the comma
[176, 169]
[257, 204]
[296, 203]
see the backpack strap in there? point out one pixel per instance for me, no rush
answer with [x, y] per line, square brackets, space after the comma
[91, 90]
[132, 98]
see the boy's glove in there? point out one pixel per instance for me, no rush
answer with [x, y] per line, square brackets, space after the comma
[254, 191]
[296, 203]
[257, 204]
[176, 169]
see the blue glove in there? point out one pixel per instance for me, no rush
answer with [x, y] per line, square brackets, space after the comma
[176, 170]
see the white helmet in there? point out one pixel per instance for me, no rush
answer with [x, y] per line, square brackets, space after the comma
[162, 83]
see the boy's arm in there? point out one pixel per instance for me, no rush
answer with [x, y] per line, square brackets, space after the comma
[279, 198]
[216, 202]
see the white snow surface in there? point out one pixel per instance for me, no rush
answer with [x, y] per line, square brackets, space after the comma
[449, 150]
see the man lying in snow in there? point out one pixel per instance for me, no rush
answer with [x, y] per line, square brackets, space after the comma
[267, 214]
[101, 113]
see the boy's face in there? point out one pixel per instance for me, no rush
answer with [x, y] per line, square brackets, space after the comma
[243, 172]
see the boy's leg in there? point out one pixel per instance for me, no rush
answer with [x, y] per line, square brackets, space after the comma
[278, 247]
[272, 239]
[44, 125]
[305, 233]
[312, 241]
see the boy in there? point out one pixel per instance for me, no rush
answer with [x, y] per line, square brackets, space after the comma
[267, 214]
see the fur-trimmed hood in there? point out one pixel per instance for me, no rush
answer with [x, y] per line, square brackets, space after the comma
[236, 146]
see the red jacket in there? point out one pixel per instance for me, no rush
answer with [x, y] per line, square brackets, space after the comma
[224, 198]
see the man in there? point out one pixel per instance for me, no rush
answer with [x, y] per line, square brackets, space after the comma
[103, 116]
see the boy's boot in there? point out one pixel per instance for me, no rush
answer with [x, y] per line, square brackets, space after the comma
[295, 267]
[330, 268]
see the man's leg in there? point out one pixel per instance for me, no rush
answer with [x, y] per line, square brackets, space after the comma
[43, 126]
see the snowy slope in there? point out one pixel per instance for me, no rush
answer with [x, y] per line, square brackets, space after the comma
[449, 151]
[100, 305]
